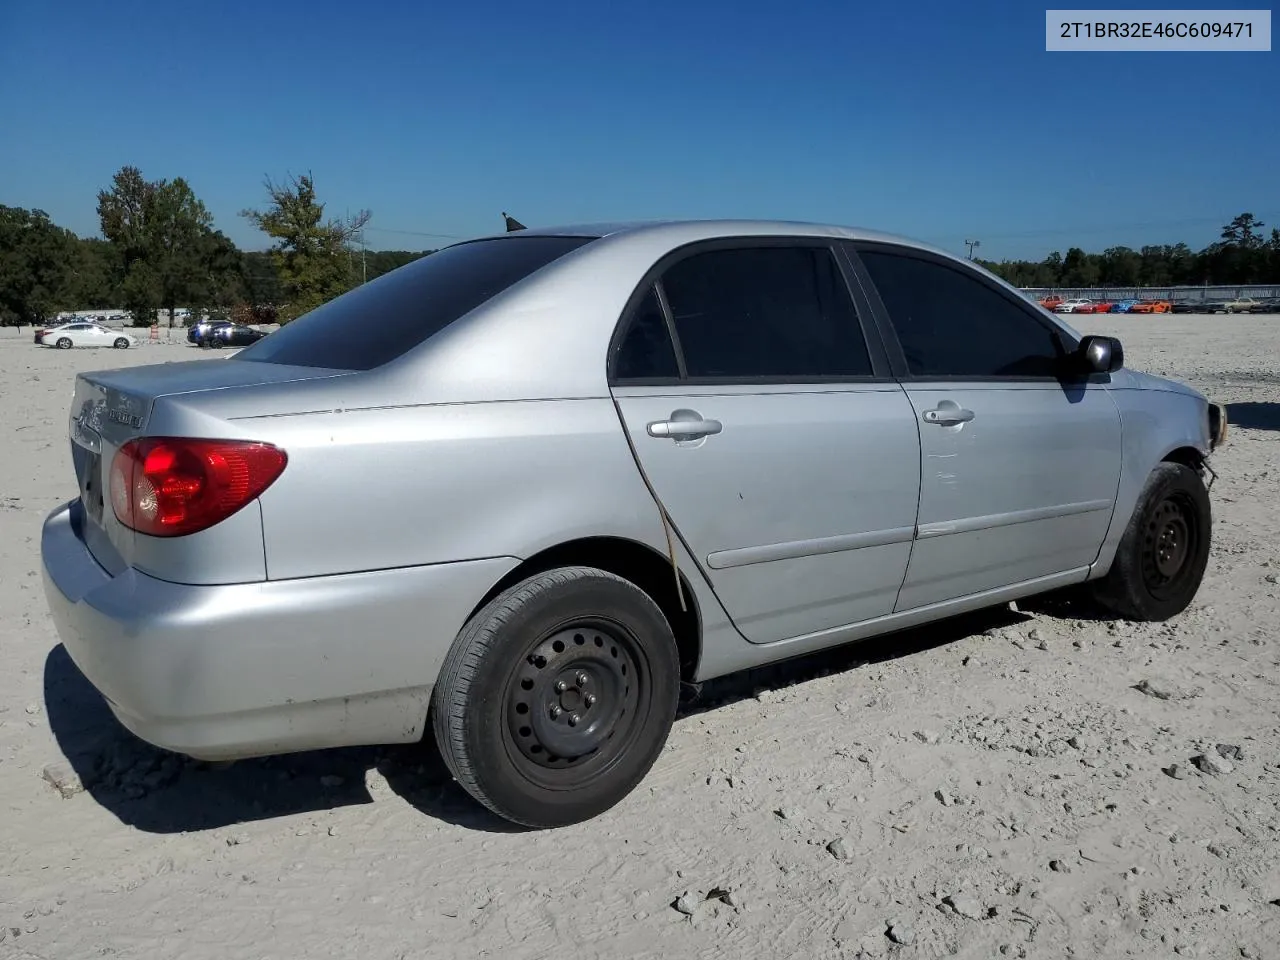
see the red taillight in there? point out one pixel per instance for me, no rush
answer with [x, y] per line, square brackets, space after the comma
[171, 486]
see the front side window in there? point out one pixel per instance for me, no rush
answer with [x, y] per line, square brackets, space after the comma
[951, 324]
[765, 312]
[385, 318]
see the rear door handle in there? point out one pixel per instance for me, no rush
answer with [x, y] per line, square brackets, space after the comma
[684, 429]
[948, 416]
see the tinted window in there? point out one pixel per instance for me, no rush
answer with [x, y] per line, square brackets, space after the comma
[765, 312]
[954, 325]
[385, 318]
[646, 351]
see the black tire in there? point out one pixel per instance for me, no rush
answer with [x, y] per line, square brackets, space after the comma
[121, 343]
[506, 730]
[64, 343]
[1163, 554]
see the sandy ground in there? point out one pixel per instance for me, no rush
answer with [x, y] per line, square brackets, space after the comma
[995, 786]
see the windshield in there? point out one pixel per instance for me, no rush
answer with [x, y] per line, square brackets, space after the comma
[381, 320]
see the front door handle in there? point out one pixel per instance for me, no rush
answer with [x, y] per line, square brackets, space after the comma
[948, 416]
[684, 425]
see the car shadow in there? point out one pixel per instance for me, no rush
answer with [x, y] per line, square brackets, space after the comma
[160, 792]
[1254, 415]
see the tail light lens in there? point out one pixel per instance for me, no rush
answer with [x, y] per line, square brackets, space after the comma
[173, 486]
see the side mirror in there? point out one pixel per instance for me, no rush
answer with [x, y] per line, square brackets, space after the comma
[1099, 354]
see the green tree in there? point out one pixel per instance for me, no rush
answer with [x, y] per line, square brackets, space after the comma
[34, 266]
[1079, 269]
[160, 231]
[312, 254]
[1244, 231]
[1120, 267]
[94, 281]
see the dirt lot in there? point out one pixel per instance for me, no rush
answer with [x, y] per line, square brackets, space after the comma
[998, 786]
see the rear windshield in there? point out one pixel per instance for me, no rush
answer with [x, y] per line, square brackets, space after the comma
[381, 320]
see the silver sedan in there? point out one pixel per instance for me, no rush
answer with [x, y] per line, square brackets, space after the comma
[519, 490]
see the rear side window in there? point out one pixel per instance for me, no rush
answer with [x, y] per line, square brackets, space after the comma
[381, 320]
[951, 324]
[765, 312]
[646, 351]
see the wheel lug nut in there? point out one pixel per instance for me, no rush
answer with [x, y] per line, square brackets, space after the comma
[555, 712]
[561, 686]
[582, 679]
[573, 719]
[589, 699]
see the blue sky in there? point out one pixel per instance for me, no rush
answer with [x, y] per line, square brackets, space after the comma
[937, 120]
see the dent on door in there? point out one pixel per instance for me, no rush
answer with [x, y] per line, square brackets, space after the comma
[799, 505]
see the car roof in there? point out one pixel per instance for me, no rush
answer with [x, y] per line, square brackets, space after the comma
[678, 232]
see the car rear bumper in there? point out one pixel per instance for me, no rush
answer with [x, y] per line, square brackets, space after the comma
[242, 670]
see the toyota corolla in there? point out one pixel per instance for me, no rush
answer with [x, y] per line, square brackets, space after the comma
[517, 491]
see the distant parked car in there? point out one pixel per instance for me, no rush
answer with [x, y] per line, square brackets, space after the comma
[82, 334]
[1241, 305]
[1123, 306]
[518, 491]
[1096, 306]
[1187, 306]
[1267, 305]
[197, 333]
[1049, 303]
[1152, 306]
[1071, 306]
[231, 335]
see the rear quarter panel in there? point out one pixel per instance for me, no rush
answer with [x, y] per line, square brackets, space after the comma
[1154, 423]
[375, 489]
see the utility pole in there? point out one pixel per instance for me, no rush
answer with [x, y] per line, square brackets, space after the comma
[972, 244]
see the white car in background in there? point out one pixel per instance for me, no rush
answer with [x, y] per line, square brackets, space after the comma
[84, 334]
[1070, 306]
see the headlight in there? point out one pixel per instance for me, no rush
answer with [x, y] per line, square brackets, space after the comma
[1217, 425]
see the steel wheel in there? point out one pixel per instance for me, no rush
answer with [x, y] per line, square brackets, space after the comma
[1169, 542]
[557, 696]
[1160, 561]
[573, 703]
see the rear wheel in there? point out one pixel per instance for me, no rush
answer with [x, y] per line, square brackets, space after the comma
[63, 343]
[1163, 554]
[558, 696]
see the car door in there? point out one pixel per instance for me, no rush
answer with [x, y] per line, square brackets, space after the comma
[79, 334]
[771, 430]
[1020, 460]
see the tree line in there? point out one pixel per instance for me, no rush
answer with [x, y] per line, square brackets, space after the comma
[1242, 254]
[161, 251]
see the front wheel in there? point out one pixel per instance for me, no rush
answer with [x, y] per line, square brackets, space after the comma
[558, 696]
[121, 343]
[1164, 551]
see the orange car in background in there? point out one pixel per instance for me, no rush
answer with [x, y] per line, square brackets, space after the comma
[1050, 302]
[1152, 306]
[1098, 306]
